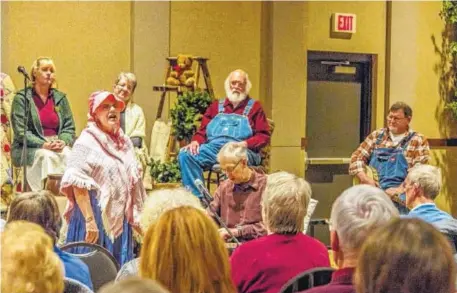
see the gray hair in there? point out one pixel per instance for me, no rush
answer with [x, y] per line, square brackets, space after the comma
[428, 178]
[163, 200]
[130, 77]
[232, 151]
[285, 203]
[246, 76]
[357, 211]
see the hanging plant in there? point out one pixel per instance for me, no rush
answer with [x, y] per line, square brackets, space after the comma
[187, 113]
[449, 14]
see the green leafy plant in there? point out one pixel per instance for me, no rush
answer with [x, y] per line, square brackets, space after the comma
[449, 14]
[168, 172]
[188, 112]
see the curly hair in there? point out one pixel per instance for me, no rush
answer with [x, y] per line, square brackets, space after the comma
[29, 264]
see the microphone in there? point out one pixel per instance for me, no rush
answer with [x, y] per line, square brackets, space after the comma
[207, 199]
[21, 69]
[203, 191]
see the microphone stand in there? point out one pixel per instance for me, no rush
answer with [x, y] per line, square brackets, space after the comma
[219, 220]
[25, 186]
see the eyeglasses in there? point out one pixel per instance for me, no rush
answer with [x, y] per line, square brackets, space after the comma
[126, 86]
[395, 119]
[230, 170]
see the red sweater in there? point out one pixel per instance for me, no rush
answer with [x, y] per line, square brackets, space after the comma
[266, 264]
[48, 115]
[257, 120]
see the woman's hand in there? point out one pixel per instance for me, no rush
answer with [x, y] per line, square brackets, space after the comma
[47, 146]
[57, 145]
[91, 230]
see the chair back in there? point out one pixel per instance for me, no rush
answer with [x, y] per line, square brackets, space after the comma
[265, 152]
[308, 279]
[102, 265]
[73, 286]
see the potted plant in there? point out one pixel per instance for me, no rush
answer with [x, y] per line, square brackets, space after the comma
[187, 114]
[165, 175]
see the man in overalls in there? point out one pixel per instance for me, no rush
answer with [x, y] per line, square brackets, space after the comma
[391, 152]
[236, 118]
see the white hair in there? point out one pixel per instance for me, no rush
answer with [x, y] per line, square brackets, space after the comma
[357, 211]
[130, 77]
[428, 178]
[285, 203]
[246, 76]
[232, 151]
[163, 200]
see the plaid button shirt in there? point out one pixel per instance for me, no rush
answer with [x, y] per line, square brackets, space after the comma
[416, 152]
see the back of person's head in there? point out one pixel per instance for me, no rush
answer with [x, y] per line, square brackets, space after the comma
[163, 200]
[184, 252]
[357, 211]
[406, 255]
[133, 285]
[427, 178]
[285, 202]
[29, 264]
[39, 207]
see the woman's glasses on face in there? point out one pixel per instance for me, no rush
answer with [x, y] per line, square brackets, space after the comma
[231, 169]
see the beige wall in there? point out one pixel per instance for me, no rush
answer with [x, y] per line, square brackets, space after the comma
[227, 33]
[89, 42]
[308, 28]
[417, 65]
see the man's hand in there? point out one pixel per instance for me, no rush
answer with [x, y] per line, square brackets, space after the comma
[242, 143]
[364, 179]
[225, 235]
[394, 191]
[193, 147]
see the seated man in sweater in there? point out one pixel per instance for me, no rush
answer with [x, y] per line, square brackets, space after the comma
[266, 264]
[356, 212]
[237, 199]
[422, 185]
[237, 118]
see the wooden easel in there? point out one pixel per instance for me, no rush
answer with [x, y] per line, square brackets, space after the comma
[202, 69]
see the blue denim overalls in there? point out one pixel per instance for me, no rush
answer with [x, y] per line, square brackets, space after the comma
[221, 129]
[391, 165]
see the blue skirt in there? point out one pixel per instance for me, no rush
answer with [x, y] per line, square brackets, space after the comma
[121, 249]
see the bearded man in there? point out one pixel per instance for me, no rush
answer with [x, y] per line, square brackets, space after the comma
[236, 118]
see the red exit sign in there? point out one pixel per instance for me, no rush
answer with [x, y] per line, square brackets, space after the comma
[344, 23]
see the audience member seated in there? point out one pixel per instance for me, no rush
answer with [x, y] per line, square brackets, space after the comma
[183, 252]
[237, 199]
[406, 255]
[422, 186]
[133, 285]
[157, 203]
[28, 262]
[236, 118]
[51, 128]
[390, 152]
[267, 263]
[41, 208]
[103, 182]
[356, 212]
[133, 122]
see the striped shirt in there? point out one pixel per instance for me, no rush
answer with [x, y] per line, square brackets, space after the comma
[416, 152]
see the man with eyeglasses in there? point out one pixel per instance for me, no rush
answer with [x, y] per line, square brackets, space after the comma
[236, 118]
[389, 153]
[237, 199]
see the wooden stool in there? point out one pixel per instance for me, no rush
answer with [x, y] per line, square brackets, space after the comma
[52, 184]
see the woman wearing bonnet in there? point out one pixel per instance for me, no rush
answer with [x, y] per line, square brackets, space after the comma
[103, 182]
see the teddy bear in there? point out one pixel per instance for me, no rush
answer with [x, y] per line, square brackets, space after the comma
[182, 73]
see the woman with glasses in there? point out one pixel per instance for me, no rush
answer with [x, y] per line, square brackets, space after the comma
[132, 121]
[389, 153]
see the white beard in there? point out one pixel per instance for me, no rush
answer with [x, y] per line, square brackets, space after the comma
[236, 98]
